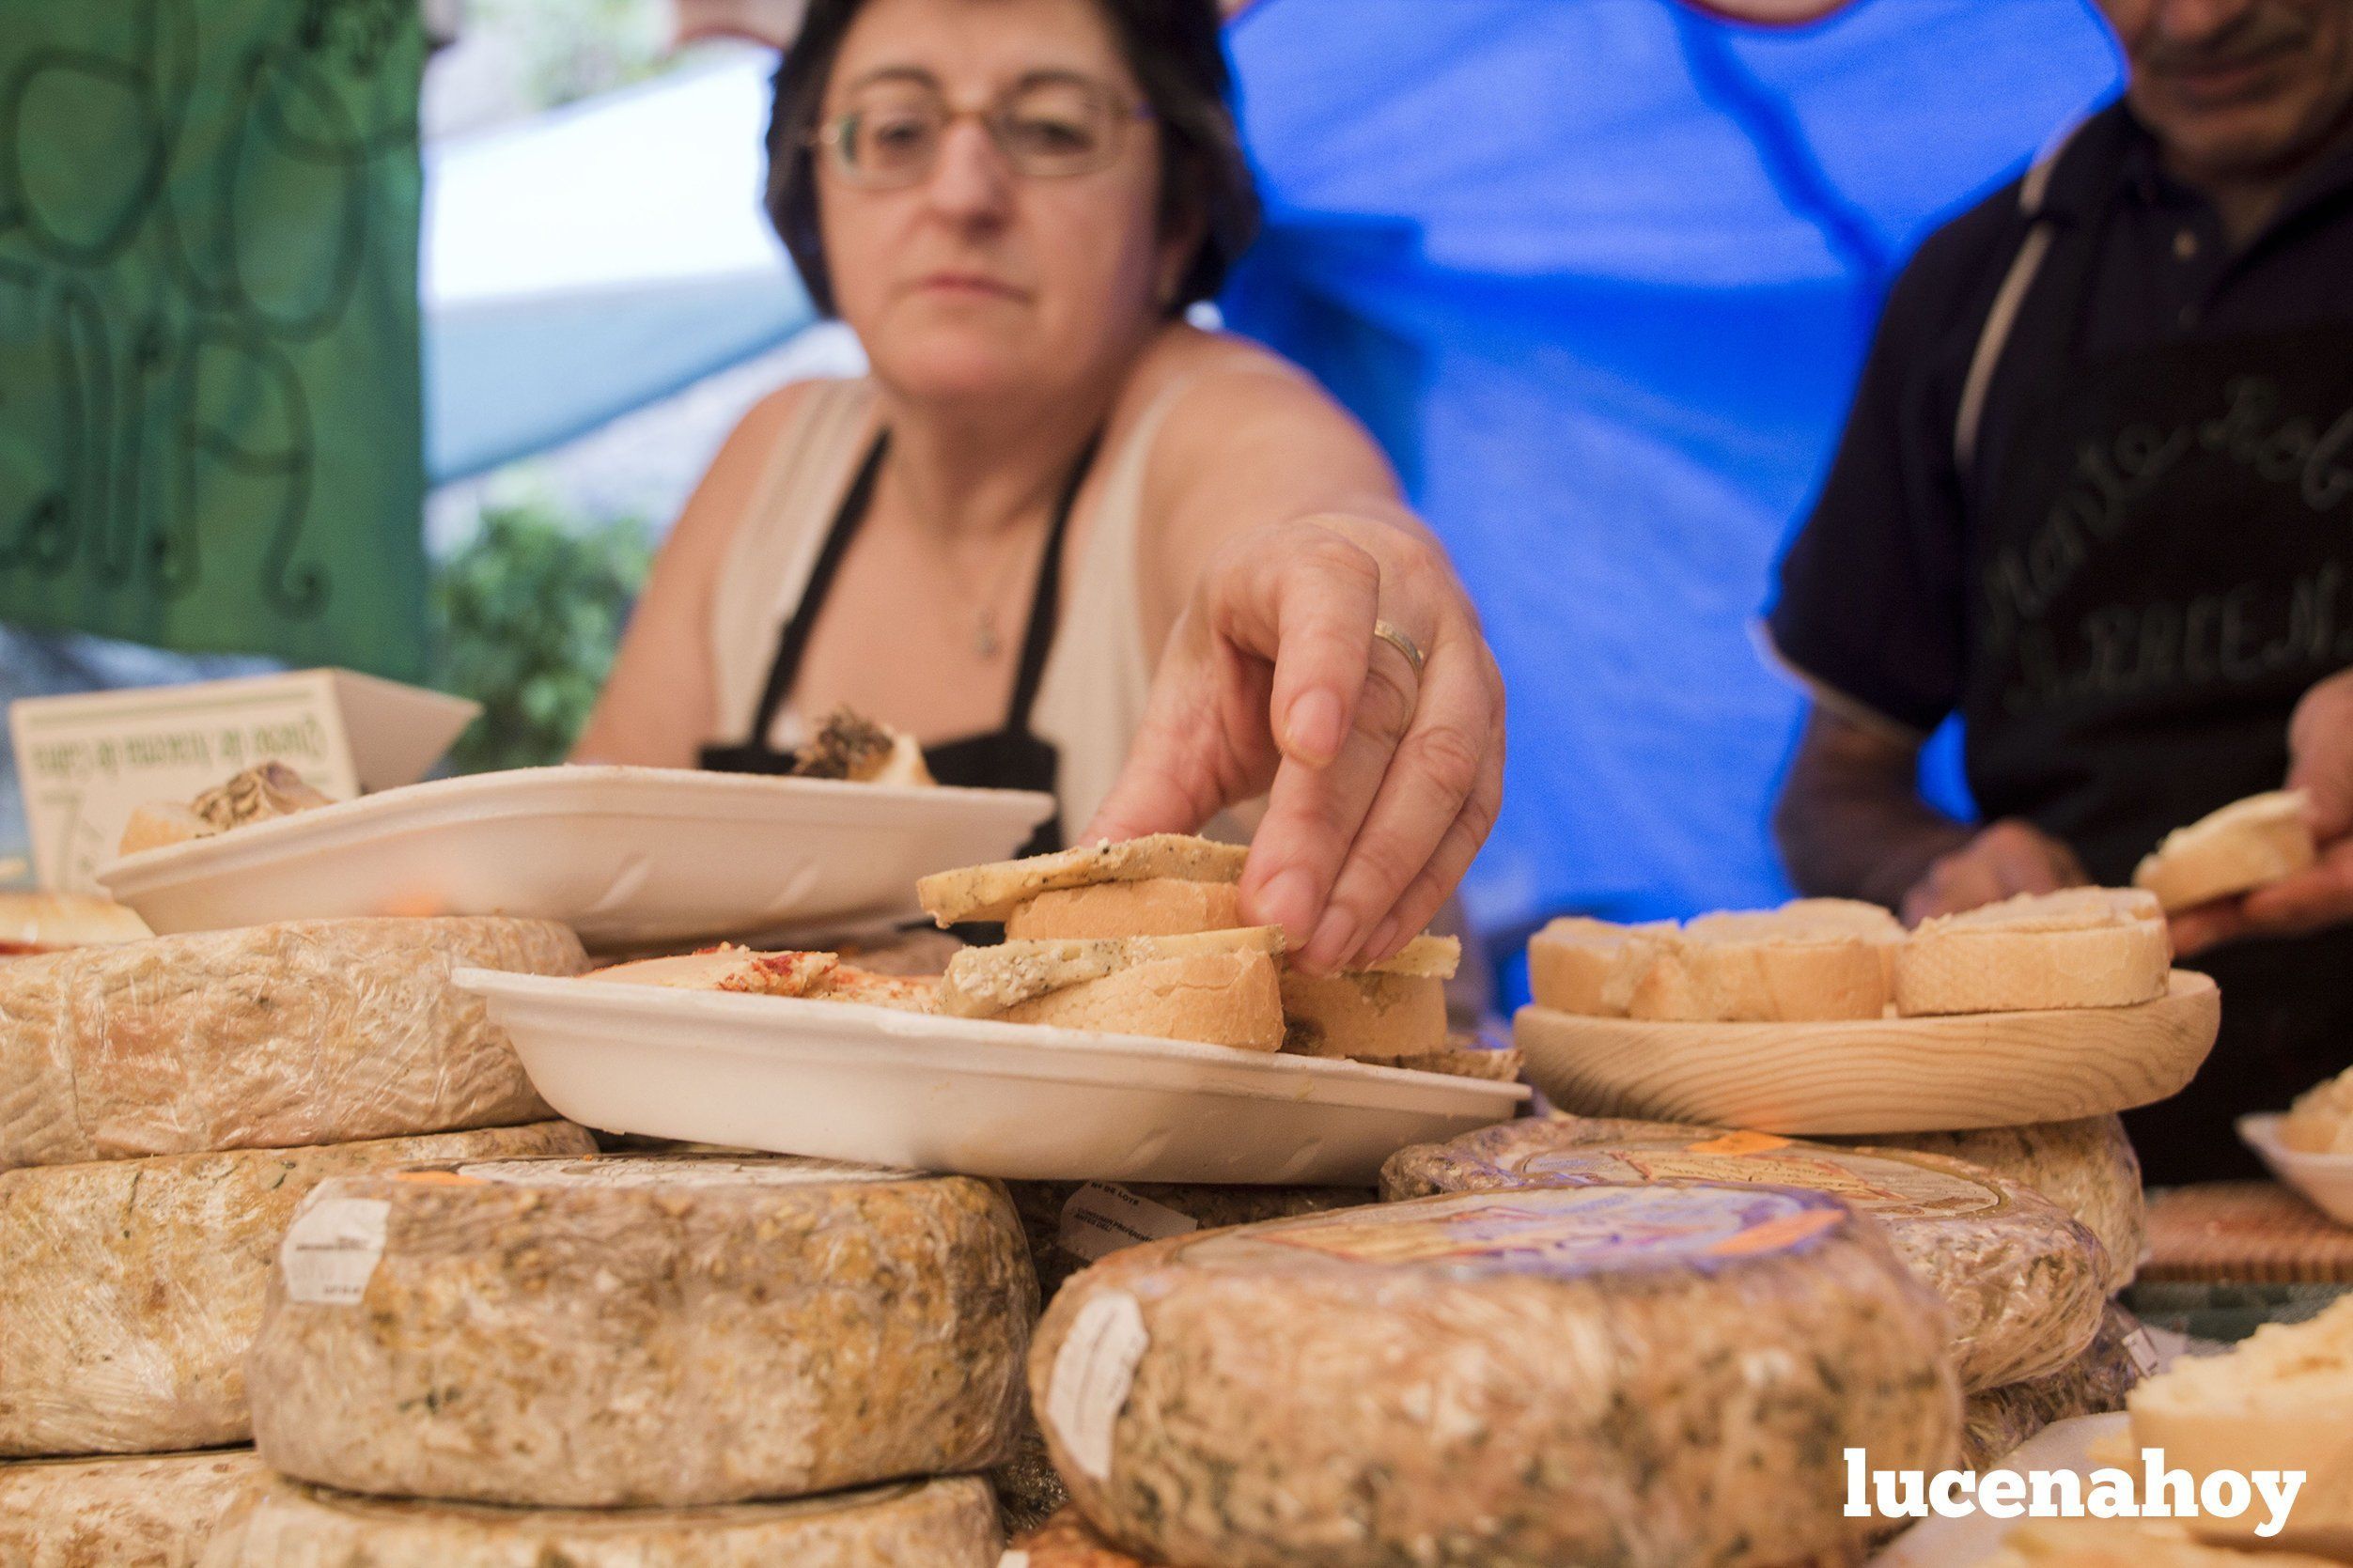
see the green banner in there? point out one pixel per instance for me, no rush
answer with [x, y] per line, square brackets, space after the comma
[210, 426]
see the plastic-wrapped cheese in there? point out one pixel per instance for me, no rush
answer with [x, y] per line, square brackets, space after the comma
[658, 1331]
[2086, 1167]
[931, 1524]
[1996, 1422]
[2021, 1280]
[1637, 1375]
[149, 1511]
[1071, 1224]
[130, 1289]
[1067, 1541]
[267, 1037]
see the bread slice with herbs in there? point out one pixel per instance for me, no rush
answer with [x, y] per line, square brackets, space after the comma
[993, 892]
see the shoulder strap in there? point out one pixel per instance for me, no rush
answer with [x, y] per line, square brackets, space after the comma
[1038, 641]
[2004, 317]
[793, 641]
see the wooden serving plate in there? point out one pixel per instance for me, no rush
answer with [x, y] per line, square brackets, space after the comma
[1860, 1076]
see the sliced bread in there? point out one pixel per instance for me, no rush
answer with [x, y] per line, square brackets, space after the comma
[2237, 849]
[2084, 947]
[994, 891]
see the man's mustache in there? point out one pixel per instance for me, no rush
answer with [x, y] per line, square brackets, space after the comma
[2259, 35]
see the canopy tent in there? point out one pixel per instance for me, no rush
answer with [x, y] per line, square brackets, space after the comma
[1599, 277]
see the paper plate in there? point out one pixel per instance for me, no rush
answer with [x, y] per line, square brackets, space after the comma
[1863, 1076]
[627, 857]
[2324, 1180]
[1024, 1102]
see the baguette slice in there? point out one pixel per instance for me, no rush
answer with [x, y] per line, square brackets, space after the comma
[1216, 997]
[2085, 947]
[1742, 972]
[2321, 1121]
[2244, 845]
[1569, 960]
[990, 982]
[1358, 1012]
[1156, 907]
[1425, 956]
[994, 891]
[51, 921]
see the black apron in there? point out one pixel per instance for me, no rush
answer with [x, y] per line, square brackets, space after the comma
[2163, 565]
[1009, 757]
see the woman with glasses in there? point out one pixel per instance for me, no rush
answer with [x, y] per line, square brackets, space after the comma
[1067, 540]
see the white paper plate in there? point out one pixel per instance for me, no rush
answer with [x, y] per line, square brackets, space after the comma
[2324, 1180]
[625, 856]
[1020, 1101]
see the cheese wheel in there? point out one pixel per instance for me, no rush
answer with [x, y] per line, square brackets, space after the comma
[148, 1512]
[1363, 1014]
[2086, 947]
[2276, 1402]
[1570, 959]
[929, 1524]
[659, 1331]
[1996, 1422]
[1162, 906]
[2018, 1277]
[2087, 1167]
[130, 1288]
[1640, 1374]
[1067, 1541]
[271, 1036]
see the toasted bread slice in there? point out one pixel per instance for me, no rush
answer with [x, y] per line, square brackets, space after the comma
[989, 982]
[1425, 956]
[1213, 995]
[2084, 947]
[2245, 846]
[1569, 960]
[994, 891]
[1156, 907]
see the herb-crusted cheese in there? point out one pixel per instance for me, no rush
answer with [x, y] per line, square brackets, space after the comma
[2094, 1383]
[1629, 1374]
[661, 1332]
[2021, 1280]
[271, 1036]
[130, 1289]
[137, 1512]
[931, 1524]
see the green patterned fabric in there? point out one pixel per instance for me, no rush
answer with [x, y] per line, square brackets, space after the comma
[211, 431]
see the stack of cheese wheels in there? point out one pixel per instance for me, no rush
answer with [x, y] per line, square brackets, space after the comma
[165, 1104]
[1072, 1224]
[1660, 1373]
[659, 1359]
[2025, 1284]
[1146, 937]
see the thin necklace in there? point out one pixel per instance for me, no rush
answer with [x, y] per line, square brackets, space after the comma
[986, 642]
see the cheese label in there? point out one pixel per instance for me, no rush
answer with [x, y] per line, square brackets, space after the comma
[1566, 1232]
[627, 1171]
[332, 1248]
[2141, 1349]
[1094, 1371]
[1101, 1217]
[1889, 1186]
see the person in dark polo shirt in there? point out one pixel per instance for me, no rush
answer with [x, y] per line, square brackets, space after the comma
[2095, 498]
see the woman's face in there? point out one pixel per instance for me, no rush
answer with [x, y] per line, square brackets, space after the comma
[975, 282]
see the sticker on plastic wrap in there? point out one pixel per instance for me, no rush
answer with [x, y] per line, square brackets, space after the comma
[2146, 1362]
[1100, 1218]
[331, 1249]
[1093, 1373]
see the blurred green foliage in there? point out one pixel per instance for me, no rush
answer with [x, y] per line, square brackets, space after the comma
[526, 616]
[568, 50]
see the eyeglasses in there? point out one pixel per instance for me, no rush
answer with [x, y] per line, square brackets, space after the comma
[1048, 128]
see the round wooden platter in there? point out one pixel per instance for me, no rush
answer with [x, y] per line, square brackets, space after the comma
[1862, 1076]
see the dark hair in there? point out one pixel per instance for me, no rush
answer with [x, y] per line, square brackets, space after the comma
[1177, 53]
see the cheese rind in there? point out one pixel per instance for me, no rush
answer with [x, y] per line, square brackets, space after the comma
[130, 1289]
[2019, 1279]
[1996, 1420]
[1067, 1541]
[1597, 1374]
[2087, 1167]
[929, 1524]
[149, 1511]
[657, 1332]
[2085, 947]
[271, 1036]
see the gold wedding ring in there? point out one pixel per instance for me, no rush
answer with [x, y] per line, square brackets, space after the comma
[1403, 644]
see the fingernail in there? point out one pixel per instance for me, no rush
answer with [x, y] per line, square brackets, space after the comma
[1334, 940]
[1312, 733]
[1384, 937]
[1288, 901]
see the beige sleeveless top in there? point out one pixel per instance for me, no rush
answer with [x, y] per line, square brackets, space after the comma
[1090, 702]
